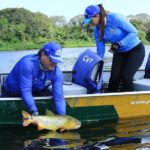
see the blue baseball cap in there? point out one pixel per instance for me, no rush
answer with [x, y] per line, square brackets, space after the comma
[53, 51]
[90, 12]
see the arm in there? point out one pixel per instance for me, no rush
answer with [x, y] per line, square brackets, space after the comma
[57, 92]
[100, 48]
[25, 81]
[99, 44]
[125, 25]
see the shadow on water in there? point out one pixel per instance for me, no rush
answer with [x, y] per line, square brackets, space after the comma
[126, 134]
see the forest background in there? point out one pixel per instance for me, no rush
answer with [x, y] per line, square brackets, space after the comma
[21, 29]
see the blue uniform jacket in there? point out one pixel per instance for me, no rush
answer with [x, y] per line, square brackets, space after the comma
[27, 76]
[117, 29]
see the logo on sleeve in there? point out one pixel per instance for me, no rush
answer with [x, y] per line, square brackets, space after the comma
[48, 83]
[58, 52]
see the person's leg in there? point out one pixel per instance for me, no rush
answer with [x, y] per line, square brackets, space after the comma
[133, 63]
[116, 70]
[44, 92]
[5, 93]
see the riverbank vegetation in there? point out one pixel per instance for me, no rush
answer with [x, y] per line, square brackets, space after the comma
[22, 29]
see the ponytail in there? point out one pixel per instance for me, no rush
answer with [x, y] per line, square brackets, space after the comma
[102, 21]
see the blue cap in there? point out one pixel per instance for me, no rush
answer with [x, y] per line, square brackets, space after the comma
[90, 12]
[53, 51]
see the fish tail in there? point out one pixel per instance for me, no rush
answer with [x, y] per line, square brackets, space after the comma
[27, 118]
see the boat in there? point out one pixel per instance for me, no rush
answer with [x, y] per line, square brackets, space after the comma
[85, 107]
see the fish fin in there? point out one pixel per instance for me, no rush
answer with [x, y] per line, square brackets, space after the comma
[41, 137]
[27, 119]
[26, 122]
[25, 114]
[61, 130]
[49, 113]
[40, 127]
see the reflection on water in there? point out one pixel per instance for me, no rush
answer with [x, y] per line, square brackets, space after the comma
[53, 143]
[64, 135]
[111, 143]
[129, 134]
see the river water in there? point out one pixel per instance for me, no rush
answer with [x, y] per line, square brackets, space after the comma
[9, 58]
[125, 134]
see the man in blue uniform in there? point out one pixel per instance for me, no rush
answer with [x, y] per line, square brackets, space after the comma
[34, 74]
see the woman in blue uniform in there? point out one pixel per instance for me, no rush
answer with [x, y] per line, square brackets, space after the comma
[33, 74]
[128, 50]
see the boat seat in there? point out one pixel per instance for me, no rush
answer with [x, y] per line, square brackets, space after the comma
[73, 89]
[142, 84]
[70, 88]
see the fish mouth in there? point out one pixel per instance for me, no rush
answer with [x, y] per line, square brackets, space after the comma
[78, 126]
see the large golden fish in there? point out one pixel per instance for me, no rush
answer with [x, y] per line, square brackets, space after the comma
[51, 122]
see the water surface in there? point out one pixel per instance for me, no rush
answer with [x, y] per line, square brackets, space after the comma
[32, 139]
[84, 138]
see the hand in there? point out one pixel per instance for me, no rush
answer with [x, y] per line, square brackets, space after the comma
[114, 47]
[35, 113]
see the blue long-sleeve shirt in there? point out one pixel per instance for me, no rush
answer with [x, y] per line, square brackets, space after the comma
[27, 76]
[117, 29]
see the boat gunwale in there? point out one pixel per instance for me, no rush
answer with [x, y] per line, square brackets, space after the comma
[80, 95]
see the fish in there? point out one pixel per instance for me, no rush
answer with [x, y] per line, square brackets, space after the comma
[51, 121]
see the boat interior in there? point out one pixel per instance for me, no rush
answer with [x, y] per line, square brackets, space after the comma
[71, 86]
